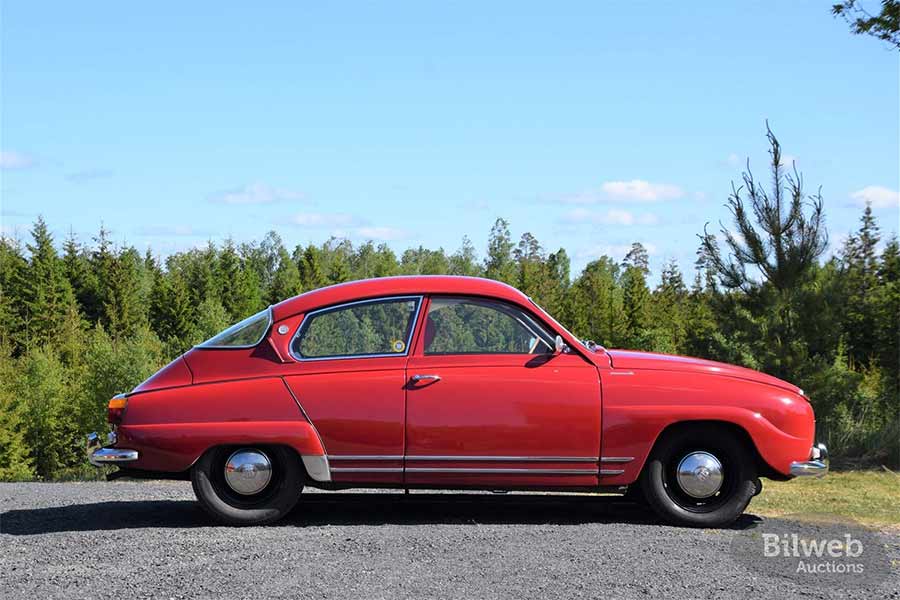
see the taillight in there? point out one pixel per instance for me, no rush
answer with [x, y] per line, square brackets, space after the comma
[116, 409]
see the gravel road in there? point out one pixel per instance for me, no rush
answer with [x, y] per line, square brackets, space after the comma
[151, 540]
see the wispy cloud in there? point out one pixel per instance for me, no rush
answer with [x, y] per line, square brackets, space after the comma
[636, 191]
[641, 191]
[169, 231]
[324, 220]
[613, 216]
[879, 196]
[10, 160]
[256, 193]
[88, 175]
[386, 234]
[346, 225]
[615, 251]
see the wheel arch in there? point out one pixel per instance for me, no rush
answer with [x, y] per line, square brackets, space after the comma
[762, 467]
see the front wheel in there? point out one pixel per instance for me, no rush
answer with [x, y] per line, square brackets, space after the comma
[699, 478]
[247, 485]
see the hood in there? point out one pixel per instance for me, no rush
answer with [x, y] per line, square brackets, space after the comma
[632, 359]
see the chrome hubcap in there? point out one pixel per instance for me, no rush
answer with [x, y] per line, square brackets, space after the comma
[248, 471]
[700, 474]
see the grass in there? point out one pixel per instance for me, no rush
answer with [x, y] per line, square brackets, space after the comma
[868, 497]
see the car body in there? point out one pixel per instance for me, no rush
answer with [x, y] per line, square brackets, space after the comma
[452, 382]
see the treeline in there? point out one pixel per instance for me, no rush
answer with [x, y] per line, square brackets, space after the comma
[81, 324]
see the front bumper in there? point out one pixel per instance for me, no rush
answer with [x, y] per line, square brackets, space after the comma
[99, 455]
[817, 466]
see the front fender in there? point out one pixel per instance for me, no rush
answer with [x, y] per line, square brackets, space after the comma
[639, 407]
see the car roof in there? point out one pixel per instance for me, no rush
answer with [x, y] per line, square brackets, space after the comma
[396, 286]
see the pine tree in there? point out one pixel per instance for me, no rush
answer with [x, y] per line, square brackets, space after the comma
[499, 263]
[15, 455]
[636, 307]
[286, 280]
[464, 260]
[46, 292]
[124, 308]
[860, 261]
[12, 279]
[312, 275]
[596, 303]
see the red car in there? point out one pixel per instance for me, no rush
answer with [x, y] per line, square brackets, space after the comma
[452, 382]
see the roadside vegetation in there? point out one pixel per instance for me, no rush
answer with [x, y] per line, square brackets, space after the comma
[85, 320]
[867, 497]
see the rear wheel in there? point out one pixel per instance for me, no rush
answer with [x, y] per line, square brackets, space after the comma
[248, 485]
[699, 477]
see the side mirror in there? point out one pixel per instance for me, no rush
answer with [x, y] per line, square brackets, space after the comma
[561, 346]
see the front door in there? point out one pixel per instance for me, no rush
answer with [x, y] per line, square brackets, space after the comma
[489, 403]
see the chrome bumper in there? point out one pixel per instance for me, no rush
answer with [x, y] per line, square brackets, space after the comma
[817, 466]
[100, 455]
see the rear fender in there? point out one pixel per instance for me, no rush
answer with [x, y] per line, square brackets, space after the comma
[171, 428]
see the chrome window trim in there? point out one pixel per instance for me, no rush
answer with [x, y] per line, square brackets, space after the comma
[269, 313]
[412, 330]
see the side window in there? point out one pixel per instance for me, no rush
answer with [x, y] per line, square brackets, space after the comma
[474, 326]
[245, 334]
[368, 328]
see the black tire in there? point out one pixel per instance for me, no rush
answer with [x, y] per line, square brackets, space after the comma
[270, 504]
[667, 498]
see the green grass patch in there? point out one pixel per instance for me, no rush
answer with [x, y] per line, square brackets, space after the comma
[869, 497]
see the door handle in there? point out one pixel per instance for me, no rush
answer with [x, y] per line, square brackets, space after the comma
[418, 378]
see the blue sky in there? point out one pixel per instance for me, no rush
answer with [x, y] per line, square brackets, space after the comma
[590, 125]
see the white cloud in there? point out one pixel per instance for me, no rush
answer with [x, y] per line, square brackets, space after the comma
[880, 197]
[315, 219]
[256, 193]
[733, 160]
[638, 190]
[615, 251]
[613, 216]
[634, 191]
[15, 160]
[386, 234]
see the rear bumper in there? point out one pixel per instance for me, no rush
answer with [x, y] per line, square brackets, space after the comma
[817, 466]
[103, 455]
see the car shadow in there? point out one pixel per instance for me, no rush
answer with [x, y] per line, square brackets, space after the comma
[347, 509]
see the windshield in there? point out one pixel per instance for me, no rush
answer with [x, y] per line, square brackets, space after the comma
[245, 334]
[552, 319]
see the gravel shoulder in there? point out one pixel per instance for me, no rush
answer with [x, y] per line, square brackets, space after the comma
[151, 540]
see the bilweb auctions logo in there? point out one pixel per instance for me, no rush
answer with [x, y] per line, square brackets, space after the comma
[814, 554]
[830, 551]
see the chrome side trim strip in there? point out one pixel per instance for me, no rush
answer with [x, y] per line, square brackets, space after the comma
[503, 471]
[617, 459]
[591, 459]
[367, 470]
[317, 467]
[607, 472]
[365, 457]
